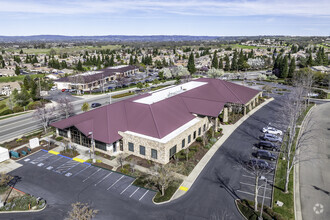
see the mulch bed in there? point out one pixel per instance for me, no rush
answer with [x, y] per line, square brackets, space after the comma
[103, 165]
[140, 161]
[69, 153]
[14, 143]
[25, 148]
[106, 156]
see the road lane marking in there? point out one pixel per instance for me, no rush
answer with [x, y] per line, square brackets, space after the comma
[115, 182]
[103, 179]
[126, 188]
[92, 174]
[134, 192]
[143, 195]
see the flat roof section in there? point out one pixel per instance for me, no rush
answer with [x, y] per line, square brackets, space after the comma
[167, 93]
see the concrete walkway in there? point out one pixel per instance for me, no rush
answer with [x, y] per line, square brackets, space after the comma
[227, 131]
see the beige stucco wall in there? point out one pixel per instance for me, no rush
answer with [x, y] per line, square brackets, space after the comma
[163, 148]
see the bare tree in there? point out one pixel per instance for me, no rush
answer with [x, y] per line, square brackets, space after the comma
[162, 176]
[85, 107]
[120, 160]
[132, 164]
[257, 171]
[81, 211]
[267, 89]
[186, 151]
[65, 107]
[44, 114]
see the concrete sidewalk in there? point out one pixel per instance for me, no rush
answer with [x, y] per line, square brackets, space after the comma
[227, 131]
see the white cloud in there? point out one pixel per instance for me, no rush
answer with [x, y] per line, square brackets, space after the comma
[187, 7]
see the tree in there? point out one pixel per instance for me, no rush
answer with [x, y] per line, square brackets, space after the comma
[44, 114]
[234, 62]
[180, 71]
[65, 107]
[284, 68]
[167, 73]
[120, 159]
[191, 64]
[215, 73]
[220, 63]
[292, 67]
[215, 63]
[227, 65]
[4, 179]
[131, 61]
[23, 98]
[17, 70]
[162, 176]
[81, 211]
[139, 85]
[85, 107]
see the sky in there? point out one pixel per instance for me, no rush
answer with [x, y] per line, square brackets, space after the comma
[169, 17]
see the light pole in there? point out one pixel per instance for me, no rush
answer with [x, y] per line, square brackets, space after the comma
[263, 198]
[110, 97]
[92, 142]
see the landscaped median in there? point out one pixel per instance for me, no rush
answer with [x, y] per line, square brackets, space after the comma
[15, 200]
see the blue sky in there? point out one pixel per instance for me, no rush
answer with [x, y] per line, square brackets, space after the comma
[170, 17]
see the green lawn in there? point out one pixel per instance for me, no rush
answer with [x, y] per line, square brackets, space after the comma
[122, 95]
[246, 46]
[328, 96]
[18, 78]
[2, 103]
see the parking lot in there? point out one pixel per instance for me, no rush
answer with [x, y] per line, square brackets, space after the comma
[86, 174]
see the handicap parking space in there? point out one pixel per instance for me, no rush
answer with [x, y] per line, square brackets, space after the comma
[106, 181]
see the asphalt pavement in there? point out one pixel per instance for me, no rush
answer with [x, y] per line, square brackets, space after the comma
[210, 197]
[314, 175]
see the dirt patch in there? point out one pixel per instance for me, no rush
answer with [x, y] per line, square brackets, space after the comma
[69, 153]
[10, 194]
[140, 161]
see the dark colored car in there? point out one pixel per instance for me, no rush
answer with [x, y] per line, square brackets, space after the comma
[95, 105]
[263, 154]
[261, 164]
[268, 146]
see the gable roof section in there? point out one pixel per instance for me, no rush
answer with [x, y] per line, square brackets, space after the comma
[160, 118]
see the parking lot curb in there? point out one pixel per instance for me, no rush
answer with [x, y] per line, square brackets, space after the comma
[23, 211]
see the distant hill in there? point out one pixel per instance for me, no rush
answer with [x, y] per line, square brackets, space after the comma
[110, 38]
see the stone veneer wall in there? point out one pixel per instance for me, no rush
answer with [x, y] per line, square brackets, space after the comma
[163, 148]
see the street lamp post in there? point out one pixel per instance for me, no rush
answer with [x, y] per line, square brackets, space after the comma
[263, 198]
[92, 142]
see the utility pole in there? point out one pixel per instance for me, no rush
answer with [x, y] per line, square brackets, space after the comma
[263, 198]
[92, 142]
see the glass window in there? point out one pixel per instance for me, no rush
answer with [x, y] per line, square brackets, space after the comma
[154, 153]
[199, 131]
[204, 127]
[189, 138]
[194, 134]
[142, 150]
[183, 142]
[172, 151]
[100, 145]
[63, 133]
[130, 146]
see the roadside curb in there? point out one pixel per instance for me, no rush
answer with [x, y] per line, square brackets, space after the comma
[23, 211]
[296, 177]
[208, 156]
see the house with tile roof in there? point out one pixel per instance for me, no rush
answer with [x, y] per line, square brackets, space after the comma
[158, 124]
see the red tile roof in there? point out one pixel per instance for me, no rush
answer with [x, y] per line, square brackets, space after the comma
[161, 118]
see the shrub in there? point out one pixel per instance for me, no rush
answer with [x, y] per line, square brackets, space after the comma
[199, 139]
[19, 139]
[124, 171]
[34, 105]
[6, 112]
[2, 106]
[208, 146]
[18, 109]
[213, 140]
[59, 138]
[193, 148]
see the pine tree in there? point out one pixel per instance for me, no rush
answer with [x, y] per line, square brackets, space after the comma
[191, 64]
[234, 62]
[79, 66]
[131, 61]
[227, 66]
[17, 70]
[21, 52]
[292, 67]
[215, 60]
[310, 60]
[220, 63]
[284, 68]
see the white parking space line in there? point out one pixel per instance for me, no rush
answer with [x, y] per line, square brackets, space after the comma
[115, 182]
[41, 158]
[134, 192]
[126, 188]
[66, 165]
[103, 179]
[252, 194]
[92, 174]
[27, 159]
[82, 170]
[252, 177]
[55, 160]
[252, 185]
[143, 195]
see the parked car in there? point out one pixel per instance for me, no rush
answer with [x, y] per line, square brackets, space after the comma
[261, 164]
[64, 90]
[263, 154]
[268, 146]
[271, 137]
[271, 130]
[95, 105]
